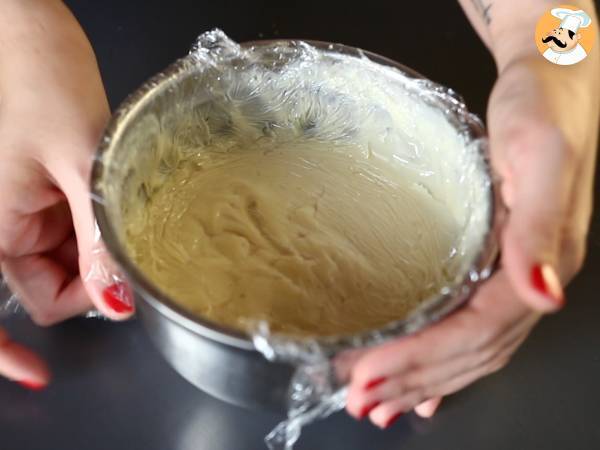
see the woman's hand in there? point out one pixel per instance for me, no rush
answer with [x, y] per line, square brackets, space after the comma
[52, 111]
[396, 377]
[543, 124]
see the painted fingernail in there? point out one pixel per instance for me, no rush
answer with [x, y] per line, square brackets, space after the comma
[32, 385]
[118, 297]
[545, 280]
[374, 382]
[367, 409]
[392, 420]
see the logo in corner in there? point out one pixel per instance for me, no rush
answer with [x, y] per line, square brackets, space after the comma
[565, 35]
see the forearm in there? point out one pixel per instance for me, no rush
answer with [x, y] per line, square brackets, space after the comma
[46, 57]
[509, 34]
[41, 38]
[508, 30]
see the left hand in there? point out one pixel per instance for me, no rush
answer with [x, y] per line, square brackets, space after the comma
[478, 340]
[543, 122]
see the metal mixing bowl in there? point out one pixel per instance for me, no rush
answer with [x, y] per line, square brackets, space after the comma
[220, 361]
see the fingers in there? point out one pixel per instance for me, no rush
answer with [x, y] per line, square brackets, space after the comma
[435, 372]
[66, 255]
[410, 369]
[385, 414]
[45, 288]
[18, 363]
[459, 382]
[537, 164]
[46, 278]
[428, 408]
[412, 352]
[387, 411]
[461, 340]
[345, 361]
[47, 230]
[34, 215]
[426, 379]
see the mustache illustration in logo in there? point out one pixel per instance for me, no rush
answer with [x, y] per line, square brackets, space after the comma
[556, 41]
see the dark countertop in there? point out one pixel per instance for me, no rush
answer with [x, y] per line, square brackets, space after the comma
[111, 388]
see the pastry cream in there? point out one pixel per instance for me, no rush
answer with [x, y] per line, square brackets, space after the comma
[312, 238]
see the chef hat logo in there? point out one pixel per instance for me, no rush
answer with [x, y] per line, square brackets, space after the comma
[565, 35]
[572, 20]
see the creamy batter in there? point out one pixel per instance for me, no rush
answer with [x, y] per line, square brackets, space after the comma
[313, 240]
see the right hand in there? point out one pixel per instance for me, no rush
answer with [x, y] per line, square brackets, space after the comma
[52, 111]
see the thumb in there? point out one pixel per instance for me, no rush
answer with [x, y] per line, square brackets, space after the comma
[537, 174]
[103, 281]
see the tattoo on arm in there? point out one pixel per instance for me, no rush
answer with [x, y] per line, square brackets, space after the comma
[483, 7]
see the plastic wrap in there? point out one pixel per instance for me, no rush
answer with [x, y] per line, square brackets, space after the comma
[289, 90]
[108, 276]
[9, 303]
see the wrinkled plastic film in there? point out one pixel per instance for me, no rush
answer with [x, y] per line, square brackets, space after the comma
[9, 302]
[314, 391]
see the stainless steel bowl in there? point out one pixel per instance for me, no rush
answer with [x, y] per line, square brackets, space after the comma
[220, 361]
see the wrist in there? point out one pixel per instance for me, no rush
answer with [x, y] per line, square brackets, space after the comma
[509, 34]
[36, 36]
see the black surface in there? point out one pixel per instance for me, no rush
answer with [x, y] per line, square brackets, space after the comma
[111, 388]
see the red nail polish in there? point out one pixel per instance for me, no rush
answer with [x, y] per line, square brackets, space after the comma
[375, 382]
[117, 297]
[367, 409]
[545, 280]
[32, 385]
[392, 419]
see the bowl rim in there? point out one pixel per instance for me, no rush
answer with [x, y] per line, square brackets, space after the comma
[430, 310]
